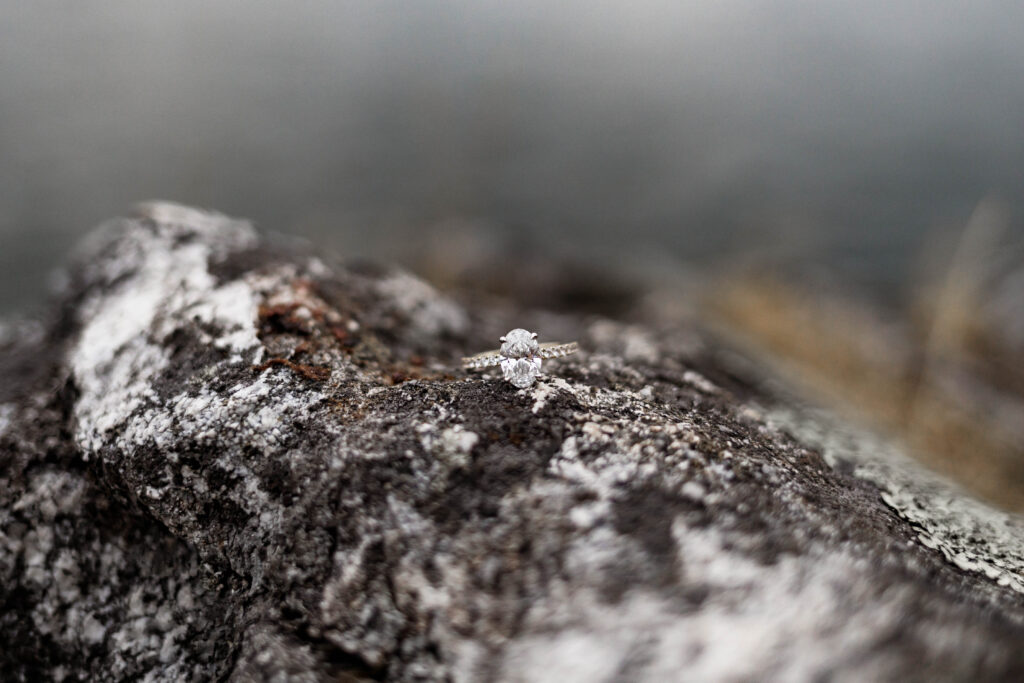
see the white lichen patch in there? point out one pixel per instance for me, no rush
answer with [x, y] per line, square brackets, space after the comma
[153, 284]
[260, 408]
[788, 620]
[6, 415]
[968, 533]
[458, 440]
[450, 445]
[545, 389]
[231, 307]
[430, 313]
[50, 493]
[157, 281]
[632, 343]
[700, 381]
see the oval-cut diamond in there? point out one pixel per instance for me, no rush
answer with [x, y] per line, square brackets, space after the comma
[522, 372]
[519, 343]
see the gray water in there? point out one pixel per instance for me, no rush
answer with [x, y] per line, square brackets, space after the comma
[850, 134]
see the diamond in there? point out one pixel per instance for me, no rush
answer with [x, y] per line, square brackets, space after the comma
[522, 372]
[519, 343]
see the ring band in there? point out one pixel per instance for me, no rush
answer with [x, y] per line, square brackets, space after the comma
[490, 359]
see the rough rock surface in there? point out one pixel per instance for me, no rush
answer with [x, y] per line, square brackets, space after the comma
[222, 459]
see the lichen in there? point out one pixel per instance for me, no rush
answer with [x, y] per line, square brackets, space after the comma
[970, 534]
[188, 503]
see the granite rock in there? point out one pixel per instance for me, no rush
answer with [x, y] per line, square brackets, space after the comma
[222, 458]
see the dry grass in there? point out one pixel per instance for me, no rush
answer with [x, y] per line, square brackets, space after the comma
[931, 385]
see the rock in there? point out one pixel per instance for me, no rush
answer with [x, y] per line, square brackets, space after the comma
[223, 458]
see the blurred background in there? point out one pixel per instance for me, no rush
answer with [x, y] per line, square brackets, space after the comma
[847, 133]
[847, 176]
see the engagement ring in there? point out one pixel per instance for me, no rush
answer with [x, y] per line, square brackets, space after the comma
[519, 357]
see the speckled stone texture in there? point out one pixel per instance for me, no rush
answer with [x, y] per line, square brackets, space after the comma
[223, 459]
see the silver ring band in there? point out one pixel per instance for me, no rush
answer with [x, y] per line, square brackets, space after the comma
[490, 359]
